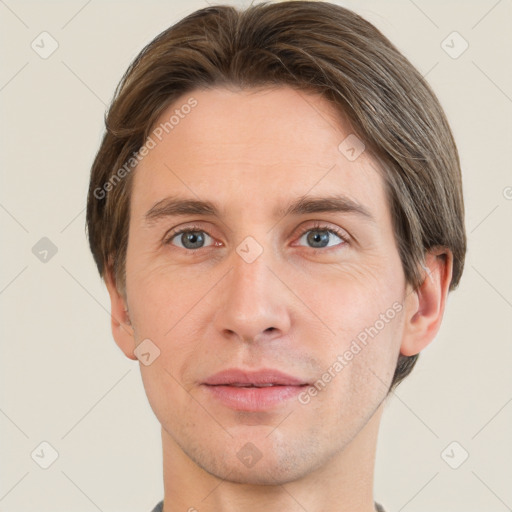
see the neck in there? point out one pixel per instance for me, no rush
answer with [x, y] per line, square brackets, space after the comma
[343, 484]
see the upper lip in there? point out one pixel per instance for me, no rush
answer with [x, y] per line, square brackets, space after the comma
[234, 376]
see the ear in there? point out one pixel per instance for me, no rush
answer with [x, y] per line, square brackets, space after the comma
[122, 329]
[425, 305]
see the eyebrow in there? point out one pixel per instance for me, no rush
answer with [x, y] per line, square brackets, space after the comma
[176, 206]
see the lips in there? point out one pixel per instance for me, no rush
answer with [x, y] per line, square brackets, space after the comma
[253, 390]
[262, 378]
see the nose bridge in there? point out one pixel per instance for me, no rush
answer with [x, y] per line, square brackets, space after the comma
[252, 300]
[250, 276]
[250, 260]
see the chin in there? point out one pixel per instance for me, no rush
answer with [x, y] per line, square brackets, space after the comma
[258, 475]
[248, 465]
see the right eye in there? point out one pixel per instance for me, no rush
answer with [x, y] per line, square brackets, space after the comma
[190, 238]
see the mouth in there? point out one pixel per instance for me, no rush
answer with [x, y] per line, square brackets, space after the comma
[245, 390]
[240, 385]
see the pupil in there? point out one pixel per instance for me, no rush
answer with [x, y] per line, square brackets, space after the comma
[194, 239]
[319, 238]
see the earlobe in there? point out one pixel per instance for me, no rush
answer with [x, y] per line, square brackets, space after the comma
[122, 329]
[425, 308]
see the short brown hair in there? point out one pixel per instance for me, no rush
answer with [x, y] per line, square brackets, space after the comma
[313, 46]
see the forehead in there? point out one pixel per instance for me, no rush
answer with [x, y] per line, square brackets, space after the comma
[257, 147]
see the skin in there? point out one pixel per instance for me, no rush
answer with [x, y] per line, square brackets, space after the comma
[207, 309]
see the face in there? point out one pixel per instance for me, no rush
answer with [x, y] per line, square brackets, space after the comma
[261, 288]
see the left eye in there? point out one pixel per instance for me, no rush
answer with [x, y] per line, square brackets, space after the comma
[321, 237]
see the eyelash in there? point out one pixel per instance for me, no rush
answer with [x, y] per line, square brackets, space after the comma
[316, 227]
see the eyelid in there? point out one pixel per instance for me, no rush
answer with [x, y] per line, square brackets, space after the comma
[171, 234]
[323, 226]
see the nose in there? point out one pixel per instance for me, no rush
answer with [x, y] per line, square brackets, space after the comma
[253, 302]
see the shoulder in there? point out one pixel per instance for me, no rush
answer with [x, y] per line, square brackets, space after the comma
[159, 507]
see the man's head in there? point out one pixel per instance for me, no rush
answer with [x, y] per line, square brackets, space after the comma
[247, 118]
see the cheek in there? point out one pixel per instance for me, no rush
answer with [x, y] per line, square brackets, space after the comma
[158, 294]
[349, 299]
[165, 306]
[362, 310]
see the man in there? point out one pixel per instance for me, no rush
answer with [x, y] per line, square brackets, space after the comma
[276, 209]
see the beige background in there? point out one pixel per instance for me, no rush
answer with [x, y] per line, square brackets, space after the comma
[63, 379]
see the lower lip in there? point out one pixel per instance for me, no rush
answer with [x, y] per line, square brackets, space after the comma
[254, 399]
